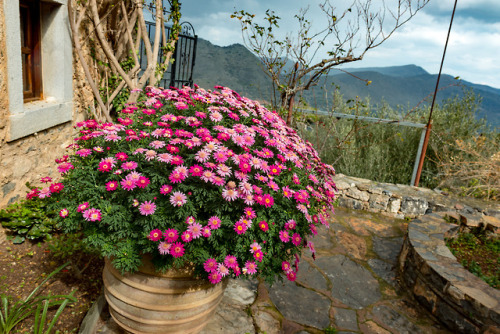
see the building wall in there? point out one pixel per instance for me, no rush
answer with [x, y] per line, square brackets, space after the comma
[30, 157]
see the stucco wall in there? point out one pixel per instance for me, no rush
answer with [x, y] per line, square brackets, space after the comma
[29, 158]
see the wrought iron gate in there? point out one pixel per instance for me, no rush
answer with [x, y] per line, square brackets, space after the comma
[180, 72]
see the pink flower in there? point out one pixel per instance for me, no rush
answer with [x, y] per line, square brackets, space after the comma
[64, 167]
[250, 267]
[291, 276]
[250, 213]
[284, 236]
[258, 255]
[44, 192]
[296, 239]
[147, 208]
[105, 166]
[64, 213]
[129, 165]
[313, 229]
[230, 261]
[210, 265]
[186, 236]
[195, 230]
[240, 227]
[214, 277]
[287, 268]
[82, 207]
[56, 187]
[32, 193]
[164, 247]
[155, 235]
[255, 247]
[290, 225]
[274, 170]
[206, 232]
[222, 269]
[178, 198]
[142, 182]
[196, 170]
[128, 184]
[287, 192]
[263, 226]
[177, 249]
[190, 220]
[165, 189]
[171, 235]
[214, 222]
[229, 194]
[267, 201]
[112, 185]
[122, 156]
[92, 215]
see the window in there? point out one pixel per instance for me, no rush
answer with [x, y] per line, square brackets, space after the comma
[31, 49]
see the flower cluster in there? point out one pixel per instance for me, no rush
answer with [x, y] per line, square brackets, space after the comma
[193, 176]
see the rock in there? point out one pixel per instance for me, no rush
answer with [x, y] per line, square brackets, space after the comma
[346, 319]
[383, 270]
[378, 202]
[351, 203]
[387, 249]
[266, 323]
[470, 220]
[373, 328]
[300, 305]
[413, 207]
[353, 285]
[357, 194]
[240, 292]
[394, 205]
[310, 276]
[228, 320]
[491, 223]
[394, 320]
[355, 246]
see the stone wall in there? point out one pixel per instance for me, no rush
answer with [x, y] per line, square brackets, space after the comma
[403, 201]
[29, 158]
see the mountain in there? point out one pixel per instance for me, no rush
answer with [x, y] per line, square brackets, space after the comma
[236, 67]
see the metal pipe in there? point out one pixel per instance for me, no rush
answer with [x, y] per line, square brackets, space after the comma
[429, 123]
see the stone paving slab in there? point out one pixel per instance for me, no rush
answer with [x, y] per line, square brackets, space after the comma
[352, 286]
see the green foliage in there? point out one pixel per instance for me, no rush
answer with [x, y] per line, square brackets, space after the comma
[28, 219]
[387, 152]
[13, 314]
[478, 253]
[330, 330]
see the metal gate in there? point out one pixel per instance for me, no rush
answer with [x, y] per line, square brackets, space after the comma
[180, 72]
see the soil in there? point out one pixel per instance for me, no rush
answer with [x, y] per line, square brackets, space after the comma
[24, 266]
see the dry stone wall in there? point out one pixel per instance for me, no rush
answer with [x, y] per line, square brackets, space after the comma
[403, 201]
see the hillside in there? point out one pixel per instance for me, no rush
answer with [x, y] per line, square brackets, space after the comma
[236, 67]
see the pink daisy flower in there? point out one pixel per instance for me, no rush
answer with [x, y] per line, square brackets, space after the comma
[250, 268]
[171, 235]
[122, 156]
[291, 276]
[147, 208]
[214, 277]
[112, 185]
[85, 152]
[287, 192]
[64, 213]
[44, 192]
[268, 200]
[177, 249]
[164, 157]
[230, 261]
[258, 255]
[296, 239]
[313, 229]
[105, 166]
[255, 247]
[92, 214]
[214, 222]
[230, 194]
[263, 226]
[250, 213]
[178, 198]
[206, 232]
[196, 170]
[165, 189]
[190, 220]
[164, 247]
[290, 225]
[210, 265]
[287, 268]
[284, 236]
[155, 235]
[128, 184]
[186, 236]
[177, 160]
[65, 167]
[129, 165]
[240, 227]
[195, 230]
[82, 207]
[222, 269]
[56, 187]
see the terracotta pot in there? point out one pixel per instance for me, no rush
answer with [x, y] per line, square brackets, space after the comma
[151, 302]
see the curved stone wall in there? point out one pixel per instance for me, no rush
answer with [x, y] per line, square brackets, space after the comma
[462, 301]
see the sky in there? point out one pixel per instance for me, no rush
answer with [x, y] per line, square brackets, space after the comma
[473, 51]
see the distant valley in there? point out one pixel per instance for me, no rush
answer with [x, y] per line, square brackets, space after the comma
[236, 67]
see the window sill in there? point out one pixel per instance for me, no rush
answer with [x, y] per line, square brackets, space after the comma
[38, 116]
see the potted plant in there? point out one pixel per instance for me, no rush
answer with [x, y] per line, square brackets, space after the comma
[204, 180]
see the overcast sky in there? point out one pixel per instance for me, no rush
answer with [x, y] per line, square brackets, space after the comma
[473, 50]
